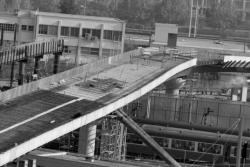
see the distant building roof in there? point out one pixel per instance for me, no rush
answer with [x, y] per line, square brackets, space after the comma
[27, 13]
[77, 16]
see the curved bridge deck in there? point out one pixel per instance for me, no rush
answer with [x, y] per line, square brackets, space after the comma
[35, 119]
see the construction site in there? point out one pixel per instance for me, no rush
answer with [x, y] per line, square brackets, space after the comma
[72, 96]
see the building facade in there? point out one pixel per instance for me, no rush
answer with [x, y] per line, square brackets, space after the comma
[86, 37]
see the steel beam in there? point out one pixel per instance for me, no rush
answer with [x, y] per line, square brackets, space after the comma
[146, 138]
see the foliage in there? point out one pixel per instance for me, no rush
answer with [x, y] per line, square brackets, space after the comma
[223, 16]
[70, 7]
[172, 11]
[97, 9]
[45, 5]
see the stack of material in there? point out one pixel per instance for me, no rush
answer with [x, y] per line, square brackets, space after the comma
[103, 85]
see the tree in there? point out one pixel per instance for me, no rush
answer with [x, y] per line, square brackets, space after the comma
[97, 9]
[25, 4]
[223, 16]
[70, 7]
[172, 11]
[45, 5]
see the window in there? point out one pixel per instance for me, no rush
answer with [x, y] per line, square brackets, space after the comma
[117, 35]
[7, 27]
[74, 32]
[96, 33]
[92, 51]
[43, 29]
[107, 34]
[113, 35]
[66, 49]
[110, 52]
[85, 50]
[24, 27]
[106, 52]
[31, 28]
[65, 31]
[85, 31]
[52, 30]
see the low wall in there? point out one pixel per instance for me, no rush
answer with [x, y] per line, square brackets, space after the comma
[84, 70]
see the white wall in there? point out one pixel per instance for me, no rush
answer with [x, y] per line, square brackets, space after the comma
[162, 31]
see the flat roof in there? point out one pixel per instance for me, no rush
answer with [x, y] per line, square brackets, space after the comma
[84, 17]
[62, 15]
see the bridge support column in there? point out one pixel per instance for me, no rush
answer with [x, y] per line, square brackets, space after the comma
[56, 63]
[101, 41]
[21, 72]
[244, 93]
[86, 144]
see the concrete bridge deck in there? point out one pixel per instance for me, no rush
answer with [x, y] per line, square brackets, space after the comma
[38, 118]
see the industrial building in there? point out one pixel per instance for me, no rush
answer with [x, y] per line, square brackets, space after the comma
[86, 37]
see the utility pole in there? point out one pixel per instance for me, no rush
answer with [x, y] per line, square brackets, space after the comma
[191, 18]
[239, 146]
[241, 126]
[244, 10]
[196, 18]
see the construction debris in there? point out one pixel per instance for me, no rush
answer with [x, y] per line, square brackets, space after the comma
[103, 85]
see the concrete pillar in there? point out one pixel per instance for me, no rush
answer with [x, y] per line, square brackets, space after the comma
[56, 63]
[19, 38]
[21, 72]
[148, 106]
[78, 48]
[59, 29]
[244, 94]
[101, 41]
[123, 37]
[36, 28]
[86, 144]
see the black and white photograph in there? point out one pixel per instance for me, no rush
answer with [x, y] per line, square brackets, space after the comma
[124, 83]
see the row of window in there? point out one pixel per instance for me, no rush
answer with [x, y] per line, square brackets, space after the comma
[70, 31]
[7, 27]
[89, 51]
[112, 35]
[48, 29]
[11, 27]
[110, 52]
[27, 28]
[89, 34]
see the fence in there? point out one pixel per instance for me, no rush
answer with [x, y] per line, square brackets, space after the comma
[223, 114]
[83, 71]
[207, 54]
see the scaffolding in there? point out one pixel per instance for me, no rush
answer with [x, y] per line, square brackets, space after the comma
[113, 139]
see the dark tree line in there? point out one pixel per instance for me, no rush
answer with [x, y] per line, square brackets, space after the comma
[143, 12]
